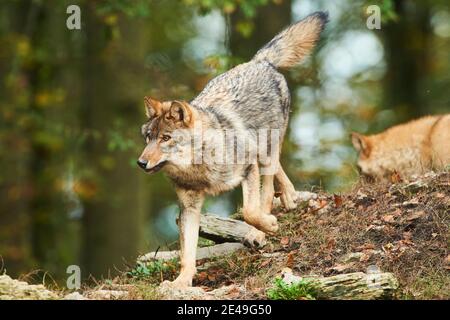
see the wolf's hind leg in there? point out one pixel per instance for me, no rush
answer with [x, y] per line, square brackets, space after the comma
[190, 205]
[252, 210]
[285, 186]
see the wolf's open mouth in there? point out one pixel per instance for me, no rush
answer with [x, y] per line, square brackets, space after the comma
[156, 168]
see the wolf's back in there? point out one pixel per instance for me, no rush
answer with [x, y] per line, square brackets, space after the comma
[294, 43]
[255, 94]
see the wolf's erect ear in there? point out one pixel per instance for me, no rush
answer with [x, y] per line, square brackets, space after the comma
[180, 112]
[153, 108]
[361, 143]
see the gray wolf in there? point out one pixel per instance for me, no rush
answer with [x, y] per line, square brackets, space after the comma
[251, 97]
[408, 149]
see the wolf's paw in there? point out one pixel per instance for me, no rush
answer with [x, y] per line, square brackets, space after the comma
[268, 224]
[179, 283]
[288, 200]
[255, 238]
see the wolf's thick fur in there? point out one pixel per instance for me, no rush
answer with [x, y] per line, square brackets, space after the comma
[247, 98]
[409, 148]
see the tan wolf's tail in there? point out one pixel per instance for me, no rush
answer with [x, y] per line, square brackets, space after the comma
[294, 43]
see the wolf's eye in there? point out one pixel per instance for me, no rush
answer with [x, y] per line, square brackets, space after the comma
[166, 137]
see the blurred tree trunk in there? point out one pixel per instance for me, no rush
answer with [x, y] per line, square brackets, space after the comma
[40, 179]
[112, 220]
[15, 248]
[406, 44]
[270, 19]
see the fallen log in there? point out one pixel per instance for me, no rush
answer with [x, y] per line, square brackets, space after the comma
[229, 234]
[202, 253]
[359, 286]
[351, 286]
[221, 229]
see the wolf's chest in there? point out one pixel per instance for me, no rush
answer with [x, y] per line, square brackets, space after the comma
[206, 180]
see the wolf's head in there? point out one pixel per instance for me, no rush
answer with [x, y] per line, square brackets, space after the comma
[166, 133]
[382, 155]
[369, 162]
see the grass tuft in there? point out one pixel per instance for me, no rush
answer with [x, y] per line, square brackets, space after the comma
[146, 270]
[304, 289]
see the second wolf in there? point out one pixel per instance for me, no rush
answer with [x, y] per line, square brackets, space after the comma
[250, 97]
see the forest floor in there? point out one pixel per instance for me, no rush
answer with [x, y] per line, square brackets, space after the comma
[401, 227]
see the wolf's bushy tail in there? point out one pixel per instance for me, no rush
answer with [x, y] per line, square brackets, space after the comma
[294, 43]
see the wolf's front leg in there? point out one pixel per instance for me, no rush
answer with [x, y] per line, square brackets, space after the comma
[190, 205]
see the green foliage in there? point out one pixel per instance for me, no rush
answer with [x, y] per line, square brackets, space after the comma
[304, 289]
[132, 8]
[146, 270]
[147, 291]
[388, 11]
[248, 7]
[202, 242]
[119, 142]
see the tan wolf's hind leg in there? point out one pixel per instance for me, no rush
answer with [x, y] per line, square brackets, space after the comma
[252, 210]
[190, 205]
[285, 186]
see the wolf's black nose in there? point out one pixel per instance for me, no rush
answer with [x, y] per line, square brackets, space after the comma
[142, 164]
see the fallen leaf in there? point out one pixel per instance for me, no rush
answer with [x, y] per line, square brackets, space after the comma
[366, 246]
[211, 277]
[318, 204]
[395, 177]
[397, 212]
[290, 260]
[206, 288]
[202, 276]
[407, 235]
[365, 256]
[234, 292]
[405, 242]
[440, 195]
[338, 200]
[415, 215]
[447, 260]
[389, 218]
[284, 241]
[265, 263]
[331, 243]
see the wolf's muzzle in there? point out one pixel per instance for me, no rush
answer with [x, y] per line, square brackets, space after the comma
[143, 165]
